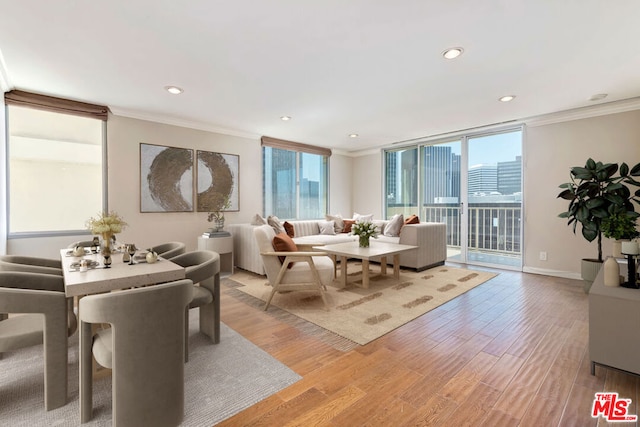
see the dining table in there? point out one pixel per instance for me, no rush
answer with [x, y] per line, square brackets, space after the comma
[97, 278]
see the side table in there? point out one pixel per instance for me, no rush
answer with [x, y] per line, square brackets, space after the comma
[222, 243]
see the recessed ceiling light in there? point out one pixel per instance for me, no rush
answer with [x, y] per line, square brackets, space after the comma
[353, 135]
[174, 89]
[452, 52]
[506, 98]
[598, 97]
[285, 118]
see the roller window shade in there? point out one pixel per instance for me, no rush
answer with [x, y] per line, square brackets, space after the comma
[294, 146]
[57, 105]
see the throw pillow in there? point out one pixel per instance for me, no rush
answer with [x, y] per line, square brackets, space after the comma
[288, 227]
[413, 219]
[258, 220]
[339, 222]
[348, 223]
[362, 218]
[283, 243]
[393, 227]
[327, 227]
[275, 223]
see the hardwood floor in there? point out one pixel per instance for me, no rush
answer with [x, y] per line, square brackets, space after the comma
[510, 352]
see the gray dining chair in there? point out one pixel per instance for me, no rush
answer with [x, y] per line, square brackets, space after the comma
[41, 314]
[30, 264]
[203, 268]
[144, 348]
[169, 250]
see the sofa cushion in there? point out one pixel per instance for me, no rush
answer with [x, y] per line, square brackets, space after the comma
[392, 229]
[362, 218]
[327, 227]
[323, 239]
[288, 227]
[348, 223]
[258, 220]
[275, 222]
[338, 220]
[380, 225]
[283, 243]
[412, 219]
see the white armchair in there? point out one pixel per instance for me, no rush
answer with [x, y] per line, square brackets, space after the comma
[311, 270]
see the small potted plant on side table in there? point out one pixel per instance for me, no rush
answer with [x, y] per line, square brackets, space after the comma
[620, 226]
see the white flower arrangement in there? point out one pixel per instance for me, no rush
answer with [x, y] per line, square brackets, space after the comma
[106, 224]
[364, 229]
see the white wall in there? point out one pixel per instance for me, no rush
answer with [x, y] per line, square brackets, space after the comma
[367, 184]
[549, 152]
[124, 136]
[340, 185]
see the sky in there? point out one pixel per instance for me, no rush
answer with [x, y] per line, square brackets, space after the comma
[493, 148]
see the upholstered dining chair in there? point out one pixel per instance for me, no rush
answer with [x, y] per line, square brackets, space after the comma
[169, 250]
[49, 319]
[143, 348]
[30, 264]
[203, 269]
[293, 270]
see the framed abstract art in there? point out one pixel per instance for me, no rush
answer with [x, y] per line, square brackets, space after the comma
[166, 179]
[217, 181]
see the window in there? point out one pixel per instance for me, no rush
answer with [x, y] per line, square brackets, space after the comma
[401, 178]
[473, 183]
[55, 170]
[295, 180]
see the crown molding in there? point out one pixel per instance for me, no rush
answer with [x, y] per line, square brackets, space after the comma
[584, 112]
[167, 120]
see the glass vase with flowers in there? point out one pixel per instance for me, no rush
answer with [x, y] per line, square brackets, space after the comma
[106, 225]
[364, 231]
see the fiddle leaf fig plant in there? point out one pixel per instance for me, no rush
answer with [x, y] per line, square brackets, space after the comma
[594, 193]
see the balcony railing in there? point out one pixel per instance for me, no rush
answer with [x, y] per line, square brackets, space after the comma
[493, 228]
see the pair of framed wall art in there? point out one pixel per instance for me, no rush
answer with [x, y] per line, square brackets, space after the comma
[169, 176]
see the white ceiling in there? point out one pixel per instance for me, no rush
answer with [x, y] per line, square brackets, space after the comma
[335, 66]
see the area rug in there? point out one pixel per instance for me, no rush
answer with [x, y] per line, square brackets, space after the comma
[220, 381]
[362, 315]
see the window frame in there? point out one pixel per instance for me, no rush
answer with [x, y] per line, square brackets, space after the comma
[299, 150]
[54, 105]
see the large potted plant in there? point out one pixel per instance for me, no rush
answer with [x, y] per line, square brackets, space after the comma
[595, 191]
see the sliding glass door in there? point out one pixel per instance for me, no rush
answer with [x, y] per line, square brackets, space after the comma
[494, 199]
[442, 201]
[473, 184]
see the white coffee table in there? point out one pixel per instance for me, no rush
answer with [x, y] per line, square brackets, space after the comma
[376, 250]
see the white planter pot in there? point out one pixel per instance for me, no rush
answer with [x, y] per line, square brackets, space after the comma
[617, 248]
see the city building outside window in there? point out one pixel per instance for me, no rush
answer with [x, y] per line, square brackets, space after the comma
[295, 182]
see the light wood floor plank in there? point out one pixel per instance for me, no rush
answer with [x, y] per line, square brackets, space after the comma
[513, 351]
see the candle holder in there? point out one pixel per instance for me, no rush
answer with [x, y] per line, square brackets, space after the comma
[630, 250]
[631, 272]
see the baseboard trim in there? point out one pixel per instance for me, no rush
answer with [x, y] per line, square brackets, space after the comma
[554, 273]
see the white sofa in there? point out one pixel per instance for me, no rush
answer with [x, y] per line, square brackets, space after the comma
[429, 237]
